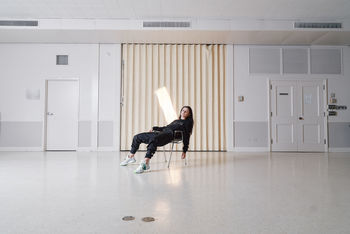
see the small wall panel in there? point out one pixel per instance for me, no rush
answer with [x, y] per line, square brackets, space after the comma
[264, 60]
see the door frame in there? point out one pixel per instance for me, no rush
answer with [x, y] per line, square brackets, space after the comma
[325, 110]
[44, 140]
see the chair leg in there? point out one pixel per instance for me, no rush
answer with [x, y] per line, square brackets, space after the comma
[164, 154]
[171, 152]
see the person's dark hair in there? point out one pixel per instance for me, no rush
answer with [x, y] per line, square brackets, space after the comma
[190, 117]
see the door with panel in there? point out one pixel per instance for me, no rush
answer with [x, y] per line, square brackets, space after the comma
[297, 118]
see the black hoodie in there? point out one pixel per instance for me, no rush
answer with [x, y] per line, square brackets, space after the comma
[184, 125]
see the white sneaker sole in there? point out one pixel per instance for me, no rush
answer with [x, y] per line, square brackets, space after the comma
[147, 170]
[125, 164]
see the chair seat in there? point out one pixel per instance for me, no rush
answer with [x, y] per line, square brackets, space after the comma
[178, 136]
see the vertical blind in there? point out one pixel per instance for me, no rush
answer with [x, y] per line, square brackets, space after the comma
[193, 75]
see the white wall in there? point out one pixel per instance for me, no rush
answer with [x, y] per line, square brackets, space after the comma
[109, 97]
[27, 66]
[251, 116]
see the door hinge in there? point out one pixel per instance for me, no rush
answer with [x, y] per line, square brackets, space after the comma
[270, 86]
[325, 142]
[324, 87]
[271, 113]
[271, 141]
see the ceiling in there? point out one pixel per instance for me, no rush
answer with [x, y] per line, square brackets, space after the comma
[210, 10]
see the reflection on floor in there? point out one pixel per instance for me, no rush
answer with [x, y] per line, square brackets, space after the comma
[217, 192]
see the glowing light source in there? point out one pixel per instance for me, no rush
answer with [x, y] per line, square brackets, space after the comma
[166, 104]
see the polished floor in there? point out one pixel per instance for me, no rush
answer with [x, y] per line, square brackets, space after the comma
[88, 192]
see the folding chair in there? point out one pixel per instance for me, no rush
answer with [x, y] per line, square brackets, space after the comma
[178, 138]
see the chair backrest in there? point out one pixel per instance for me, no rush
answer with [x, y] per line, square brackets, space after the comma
[178, 136]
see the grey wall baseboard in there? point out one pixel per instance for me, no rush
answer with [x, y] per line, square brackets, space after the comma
[255, 134]
[251, 134]
[339, 135]
[29, 134]
[21, 134]
[84, 134]
[105, 134]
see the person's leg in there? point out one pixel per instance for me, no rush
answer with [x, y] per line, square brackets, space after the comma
[144, 137]
[159, 140]
[137, 140]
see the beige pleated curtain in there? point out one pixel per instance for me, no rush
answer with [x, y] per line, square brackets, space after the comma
[193, 75]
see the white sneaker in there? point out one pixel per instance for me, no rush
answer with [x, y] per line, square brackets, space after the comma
[142, 168]
[127, 161]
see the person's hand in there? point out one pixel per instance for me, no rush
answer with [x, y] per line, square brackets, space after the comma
[151, 130]
[183, 155]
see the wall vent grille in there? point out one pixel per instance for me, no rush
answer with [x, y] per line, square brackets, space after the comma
[20, 23]
[317, 25]
[61, 59]
[166, 24]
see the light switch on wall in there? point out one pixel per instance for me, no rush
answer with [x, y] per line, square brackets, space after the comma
[333, 99]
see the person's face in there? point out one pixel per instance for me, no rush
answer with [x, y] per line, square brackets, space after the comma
[185, 112]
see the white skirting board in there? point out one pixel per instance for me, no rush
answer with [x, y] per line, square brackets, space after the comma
[40, 149]
[339, 150]
[266, 149]
[107, 149]
[24, 149]
[251, 149]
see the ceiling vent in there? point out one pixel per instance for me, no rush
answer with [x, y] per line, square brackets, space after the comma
[317, 25]
[20, 23]
[166, 24]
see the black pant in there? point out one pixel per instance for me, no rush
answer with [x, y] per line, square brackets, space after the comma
[153, 139]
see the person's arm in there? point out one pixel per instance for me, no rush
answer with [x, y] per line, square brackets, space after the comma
[186, 136]
[186, 141]
[159, 129]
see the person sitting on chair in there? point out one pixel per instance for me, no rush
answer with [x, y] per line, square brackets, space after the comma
[160, 136]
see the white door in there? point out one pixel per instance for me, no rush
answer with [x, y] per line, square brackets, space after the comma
[62, 115]
[297, 116]
[283, 116]
[311, 116]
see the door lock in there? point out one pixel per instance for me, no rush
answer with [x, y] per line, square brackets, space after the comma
[301, 118]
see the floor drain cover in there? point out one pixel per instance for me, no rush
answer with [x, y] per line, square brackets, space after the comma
[128, 218]
[148, 219]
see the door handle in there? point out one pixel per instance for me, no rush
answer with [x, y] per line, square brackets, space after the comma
[301, 118]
